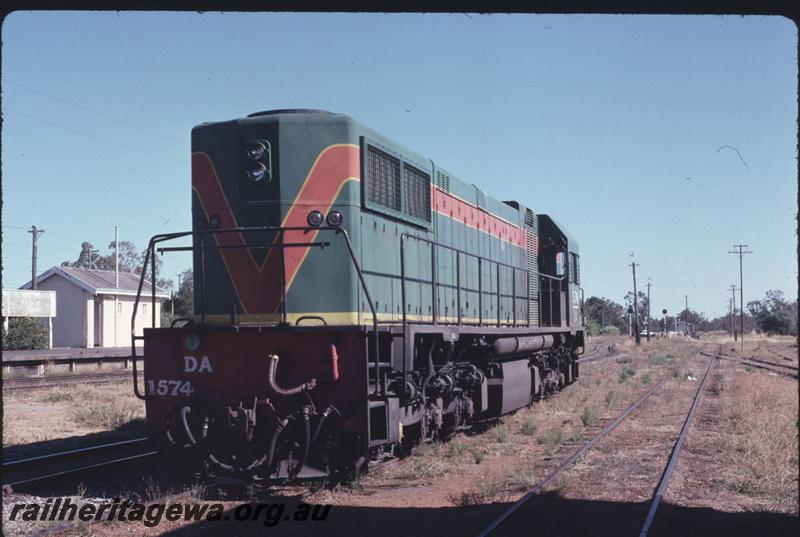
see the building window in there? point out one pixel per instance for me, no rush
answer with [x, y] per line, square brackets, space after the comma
[144, 310]
[119, 308]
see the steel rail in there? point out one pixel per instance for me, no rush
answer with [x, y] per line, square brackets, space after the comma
[79, 469]
[11, 465]
[53, 381]
[600, 358]
[569, 461]
[754, 359]
[748, 362]
[676, 450]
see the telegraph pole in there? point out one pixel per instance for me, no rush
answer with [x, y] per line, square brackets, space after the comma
[741, 249]
[637, 337]
[732, 289]
[116, 256]
[649, 284]
[35, 232]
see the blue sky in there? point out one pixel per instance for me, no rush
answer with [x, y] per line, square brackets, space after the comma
[611, 124]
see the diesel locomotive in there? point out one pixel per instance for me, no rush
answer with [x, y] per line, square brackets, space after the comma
[351, 298]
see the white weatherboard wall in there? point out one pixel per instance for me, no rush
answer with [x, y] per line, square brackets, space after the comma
[72, 303]
[116, 319]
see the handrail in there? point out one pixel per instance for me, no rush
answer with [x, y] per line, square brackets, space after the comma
[202, 233]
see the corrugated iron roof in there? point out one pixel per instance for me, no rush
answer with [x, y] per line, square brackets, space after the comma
[103, 280]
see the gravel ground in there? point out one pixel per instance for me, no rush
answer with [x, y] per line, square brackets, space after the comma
[456, 487]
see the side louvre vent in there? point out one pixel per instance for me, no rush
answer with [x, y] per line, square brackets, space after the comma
[528, 217]
[417, 187]
[383, 179]
[442, 181]
[531, 246]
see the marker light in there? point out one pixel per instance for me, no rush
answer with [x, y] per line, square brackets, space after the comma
[214, 221]
[257, 172]
[256, 150]
[192, 342]
[334, 218]
[315, 219]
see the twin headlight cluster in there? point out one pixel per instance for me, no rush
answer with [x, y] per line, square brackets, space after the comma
[259, 170]
[315, 218]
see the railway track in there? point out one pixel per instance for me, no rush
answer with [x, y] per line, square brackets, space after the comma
[51, 381]
[606, 429]
[778, 369]
[54, 466]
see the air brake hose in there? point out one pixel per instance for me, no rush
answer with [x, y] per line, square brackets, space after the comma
[321, 422]
[270, 453]
[273, 369]
[184, 412]
[306, 442]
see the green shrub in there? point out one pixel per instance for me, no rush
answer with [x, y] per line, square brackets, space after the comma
[528, 428]
[611, 331]
[24, 333]
[587, 418]
[553, 436]
[626, 373]
[594, 329]
[658, 360]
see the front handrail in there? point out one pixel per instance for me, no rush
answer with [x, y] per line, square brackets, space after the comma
[280, 230]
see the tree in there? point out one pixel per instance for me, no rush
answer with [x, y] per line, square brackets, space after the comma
[130, 260]
[642, 303]
[183, 299]
[774, 314]
[604, 313]
[24, 333]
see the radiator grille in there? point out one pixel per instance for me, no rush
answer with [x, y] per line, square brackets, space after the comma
[417, 186]
[531, 246]
[383, 179]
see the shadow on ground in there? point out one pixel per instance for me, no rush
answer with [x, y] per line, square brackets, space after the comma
[132, 429]
[549, 515]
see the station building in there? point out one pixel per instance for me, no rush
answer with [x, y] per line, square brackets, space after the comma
[93, 310]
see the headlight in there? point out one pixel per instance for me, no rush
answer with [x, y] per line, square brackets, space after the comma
[315, 219]
[256, 150]
[257, 172]
[334, 218]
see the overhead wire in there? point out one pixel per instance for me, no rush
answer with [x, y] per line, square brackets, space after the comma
[95, 112]
[93, 137]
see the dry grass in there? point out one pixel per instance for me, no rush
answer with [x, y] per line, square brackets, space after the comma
[762, 414]
[54, 413]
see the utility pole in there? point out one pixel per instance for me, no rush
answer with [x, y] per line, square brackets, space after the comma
[116, 256]
[637, 337]
[35, 232]
[732, 289]
[741, 249]
[648, 308]
[686, 316]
